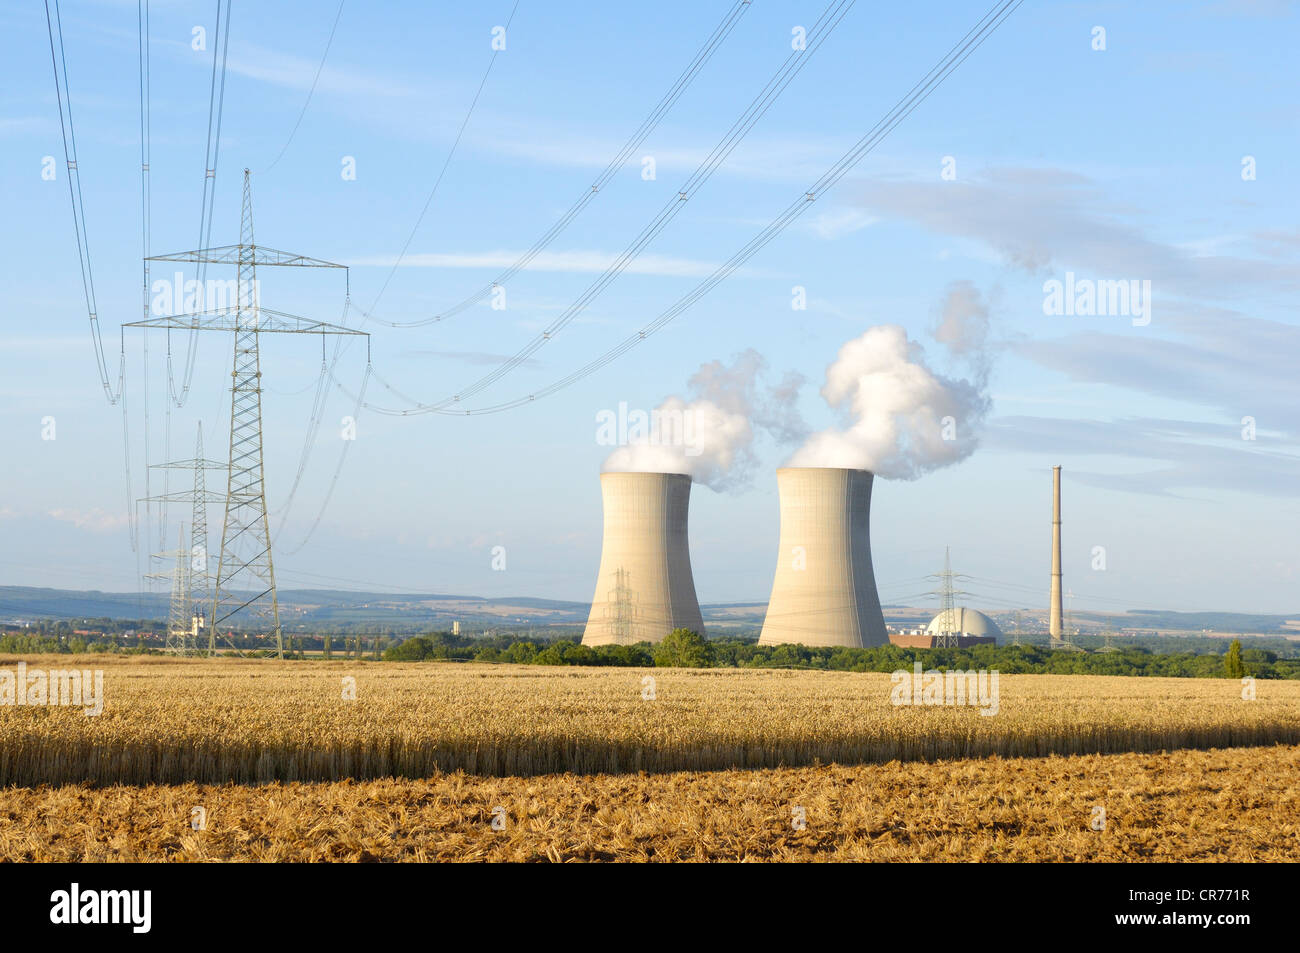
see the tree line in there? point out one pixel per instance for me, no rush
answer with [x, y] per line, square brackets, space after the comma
[684, 648]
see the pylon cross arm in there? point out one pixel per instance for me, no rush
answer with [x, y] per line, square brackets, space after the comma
[258, 255]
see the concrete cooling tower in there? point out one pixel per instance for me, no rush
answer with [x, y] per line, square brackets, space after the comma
[644, 588]
[825, 590]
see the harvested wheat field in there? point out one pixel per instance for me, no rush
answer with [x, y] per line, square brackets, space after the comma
[172, 721]
[1220, 805]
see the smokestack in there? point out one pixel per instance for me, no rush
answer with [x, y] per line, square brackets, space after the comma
[1054, 620]
[824, 592]
[644, 588]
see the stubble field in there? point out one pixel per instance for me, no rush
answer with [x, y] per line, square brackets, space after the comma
[1224, 805]
[366, 761]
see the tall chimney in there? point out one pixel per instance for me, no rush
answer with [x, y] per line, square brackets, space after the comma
[824, 592]
[644, 588]
[1054, 619]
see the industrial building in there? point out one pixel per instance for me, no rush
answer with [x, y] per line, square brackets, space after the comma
[952, 628]
[644, 587]
[824, 591]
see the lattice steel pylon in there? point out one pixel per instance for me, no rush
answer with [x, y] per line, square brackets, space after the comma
[621, 610]
[947, 635]
[244, 587]
[199, 571]
[200, 576]
[180, 640]
[178, 616]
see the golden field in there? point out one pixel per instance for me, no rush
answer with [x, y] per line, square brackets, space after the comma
[171, 721]
[1222, 805]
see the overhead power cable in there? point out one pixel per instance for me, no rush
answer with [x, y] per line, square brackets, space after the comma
[816, 35]
[656, 115]
[294, 131]
[216, 104]
[973, 39]
[54, 25]
[615, 165]
[343, 456]
[446, 162]
[339, 345]
[313, 424]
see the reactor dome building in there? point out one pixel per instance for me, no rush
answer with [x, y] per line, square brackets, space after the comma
[967, 622]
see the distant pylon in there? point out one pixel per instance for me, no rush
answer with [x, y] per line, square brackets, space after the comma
[200, 576]
[948, 632]
[179, 638]
[178, 617]
[621, 610]
[198, 571]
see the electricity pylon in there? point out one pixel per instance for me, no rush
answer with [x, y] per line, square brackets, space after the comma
[947, 636]
[621, 609]
[199, 572]
[245, 556]
[179, 633]
[176, 640]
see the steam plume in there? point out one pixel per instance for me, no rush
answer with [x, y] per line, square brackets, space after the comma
[709, 434]
[904, 419]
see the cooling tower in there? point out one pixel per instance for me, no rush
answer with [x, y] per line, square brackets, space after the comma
[824, 592]
[644, 588]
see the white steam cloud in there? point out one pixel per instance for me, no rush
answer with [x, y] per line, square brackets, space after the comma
[709, 434]
[904, 418]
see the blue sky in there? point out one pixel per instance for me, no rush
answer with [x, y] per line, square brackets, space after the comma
[1116, 164]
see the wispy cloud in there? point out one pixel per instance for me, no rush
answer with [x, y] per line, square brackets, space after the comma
[95, 520]
[1222, 359]
[470, 357]
[584, 262]
[763, 158]
[1196, 455]
[1049, 219]
[837, 223]
[21, 125]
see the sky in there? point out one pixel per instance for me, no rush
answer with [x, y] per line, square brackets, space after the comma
[1153, 143]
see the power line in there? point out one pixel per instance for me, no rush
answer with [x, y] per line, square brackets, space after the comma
[67, 129]
[666, 102]
[211, 152]
[328, 371]
[816, 35]
[446, 162]
[615, 165]
[324, 56]
[918, 94]
[338, 469]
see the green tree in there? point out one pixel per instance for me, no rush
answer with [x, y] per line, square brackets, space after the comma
[683, 648]
[1232, 665]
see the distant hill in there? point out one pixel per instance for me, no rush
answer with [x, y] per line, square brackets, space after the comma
[1214, 621]
[301, 608]
[320, 606]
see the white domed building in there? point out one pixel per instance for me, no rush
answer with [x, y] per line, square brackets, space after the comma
[966, 622]
[955, 628]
